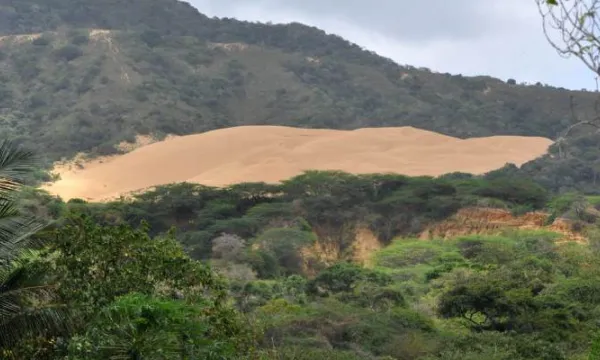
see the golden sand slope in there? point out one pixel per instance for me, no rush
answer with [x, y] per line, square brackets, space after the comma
[274, 153]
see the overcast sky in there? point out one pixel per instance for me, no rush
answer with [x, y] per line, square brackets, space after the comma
[471, 37]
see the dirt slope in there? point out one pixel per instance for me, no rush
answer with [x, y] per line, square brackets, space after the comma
[470, 221]
[274, 153]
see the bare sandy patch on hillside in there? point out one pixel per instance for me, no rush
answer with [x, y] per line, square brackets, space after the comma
[18, 39]
[274, 153]
[229, 46]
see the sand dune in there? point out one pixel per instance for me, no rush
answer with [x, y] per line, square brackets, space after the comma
[274, 153]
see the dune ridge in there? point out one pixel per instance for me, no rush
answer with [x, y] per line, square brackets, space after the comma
[274, 153]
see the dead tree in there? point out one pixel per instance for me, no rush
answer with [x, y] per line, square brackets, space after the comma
[576, 121]
[572, 28]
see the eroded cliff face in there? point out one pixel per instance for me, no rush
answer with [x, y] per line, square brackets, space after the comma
[490, 221]
[361, 242]
[328, 250]
[365, 244]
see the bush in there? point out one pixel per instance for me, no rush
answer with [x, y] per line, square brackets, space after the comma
[304, 353]
[285, 245]
[343, 277]
[151, 38]
[68, 52]
[406, 253]
[516, 191]
[80, 39]
[487, 249]
[228, 247]
[43, 40]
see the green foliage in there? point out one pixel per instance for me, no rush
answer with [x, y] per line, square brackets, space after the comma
[498, 346]
[132, 295]
[27, 300]
[518, 191]
[343, 277]
[280, 219]
[302, 353]
[405, 253]
[79, 37]
[595, 352]
[135, 292]
[285, 244]
[99, 263]
[142, 327]
[68, 52]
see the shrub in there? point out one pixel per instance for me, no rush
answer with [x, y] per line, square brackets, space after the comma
[80, 39]
[285, 245]
[68, 52]
[406, 253]
[228, 247]
[43, 40]
[343, 277]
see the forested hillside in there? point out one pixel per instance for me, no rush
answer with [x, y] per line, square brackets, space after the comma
[84, 75]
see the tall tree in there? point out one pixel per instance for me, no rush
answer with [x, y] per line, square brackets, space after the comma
[572, 27]
[24, 298]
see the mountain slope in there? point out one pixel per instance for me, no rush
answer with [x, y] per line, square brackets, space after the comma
[71, 93]
[83, 75]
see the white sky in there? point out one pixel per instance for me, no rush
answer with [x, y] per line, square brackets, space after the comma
[503, 38]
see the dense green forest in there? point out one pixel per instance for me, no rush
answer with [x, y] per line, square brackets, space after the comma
[80, 75]
[193, 272]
